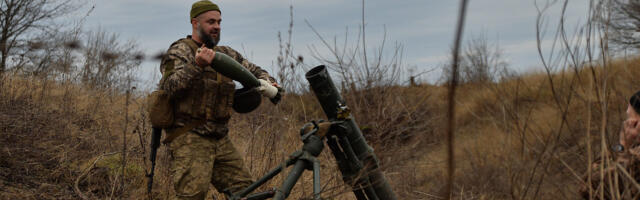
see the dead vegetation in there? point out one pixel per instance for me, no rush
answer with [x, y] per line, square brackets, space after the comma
[503, 131]
[526, 136]
[52, 149]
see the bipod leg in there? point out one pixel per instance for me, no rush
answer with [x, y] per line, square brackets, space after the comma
[291, 180]
[261, 195]
[264, 179]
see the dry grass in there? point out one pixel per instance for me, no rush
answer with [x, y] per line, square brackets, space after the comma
[513, 144]
[57, 134]
[511, 140]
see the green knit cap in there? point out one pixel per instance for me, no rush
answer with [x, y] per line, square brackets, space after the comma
[202, 6]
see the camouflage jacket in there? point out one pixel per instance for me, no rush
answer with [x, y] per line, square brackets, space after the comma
[201, 93]
[613, 178]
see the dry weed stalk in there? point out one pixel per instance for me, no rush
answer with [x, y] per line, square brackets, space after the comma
[85, 172]
[451, 101]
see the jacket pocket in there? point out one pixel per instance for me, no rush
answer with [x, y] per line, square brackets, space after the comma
[224, 100]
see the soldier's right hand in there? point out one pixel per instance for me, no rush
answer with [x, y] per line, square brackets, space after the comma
[204, 56]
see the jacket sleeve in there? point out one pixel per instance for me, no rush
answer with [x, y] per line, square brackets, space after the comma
[614, 176]
[179, 72]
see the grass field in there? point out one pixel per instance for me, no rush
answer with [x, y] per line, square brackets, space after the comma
[520, 138]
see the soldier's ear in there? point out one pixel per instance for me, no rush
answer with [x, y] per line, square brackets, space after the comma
[194, 23]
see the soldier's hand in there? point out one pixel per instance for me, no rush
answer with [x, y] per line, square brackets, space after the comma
[630, 134]
[204, 56]
[267, 88]
[278, 96]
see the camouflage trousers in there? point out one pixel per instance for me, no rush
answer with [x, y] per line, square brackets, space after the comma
[199, 161]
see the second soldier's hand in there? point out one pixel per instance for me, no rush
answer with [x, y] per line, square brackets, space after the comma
[630, 135]
[204, 56]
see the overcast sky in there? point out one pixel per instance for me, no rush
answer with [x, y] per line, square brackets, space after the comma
[424, 27]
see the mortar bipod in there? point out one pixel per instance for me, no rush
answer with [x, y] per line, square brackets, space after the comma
[312, 135]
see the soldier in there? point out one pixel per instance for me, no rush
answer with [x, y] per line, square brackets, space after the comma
[204, 155]
[620, 178]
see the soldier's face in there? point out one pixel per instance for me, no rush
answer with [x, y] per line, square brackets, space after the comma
[208, 26]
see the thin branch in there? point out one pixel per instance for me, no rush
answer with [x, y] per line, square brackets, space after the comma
[85, 172]
[451, 99]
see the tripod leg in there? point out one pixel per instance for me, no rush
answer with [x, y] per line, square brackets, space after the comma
[291, 180]
[264, 179]
[316, 180]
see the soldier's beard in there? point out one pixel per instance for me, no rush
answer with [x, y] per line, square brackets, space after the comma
[208, 41]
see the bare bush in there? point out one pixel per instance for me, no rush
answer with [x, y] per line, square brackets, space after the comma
[481, 62]
[397, 123]
[49, 55]
[20, 18]
[107, 61]
[290, 66]
[625, 23]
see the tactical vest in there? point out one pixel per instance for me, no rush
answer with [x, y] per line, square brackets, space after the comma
[206, 104]
[209, 99]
